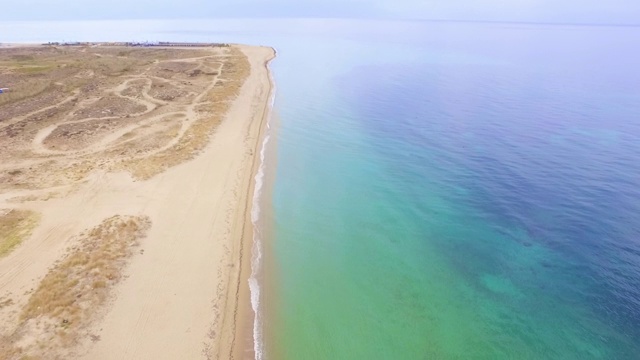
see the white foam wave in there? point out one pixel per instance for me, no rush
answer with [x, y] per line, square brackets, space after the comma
[256, 258]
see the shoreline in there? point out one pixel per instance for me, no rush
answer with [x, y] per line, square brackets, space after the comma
[266, 276]
[256, 216]
[243, 345]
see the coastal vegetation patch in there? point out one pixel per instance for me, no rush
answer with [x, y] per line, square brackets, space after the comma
[15, 226]
[68, 297]
[73, 110]
[211, 109]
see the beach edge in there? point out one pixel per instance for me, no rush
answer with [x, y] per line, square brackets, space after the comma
[240, 330]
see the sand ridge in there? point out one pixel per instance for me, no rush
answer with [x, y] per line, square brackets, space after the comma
[173, 299]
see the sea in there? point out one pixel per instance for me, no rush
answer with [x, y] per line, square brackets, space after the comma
[436, 190]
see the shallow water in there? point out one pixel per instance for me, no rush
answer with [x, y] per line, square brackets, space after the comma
[469, 192]
[446, 190]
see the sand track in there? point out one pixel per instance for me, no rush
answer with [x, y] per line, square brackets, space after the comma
[149, 102]
[16, 120]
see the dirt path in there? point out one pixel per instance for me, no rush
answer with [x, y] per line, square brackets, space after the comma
[149, 102]
[16, 120]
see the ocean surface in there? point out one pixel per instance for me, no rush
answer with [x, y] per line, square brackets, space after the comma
[440, 190]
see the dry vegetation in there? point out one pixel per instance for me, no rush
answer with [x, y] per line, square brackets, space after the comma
[73, 110]
[67, 298]
[197, 135]
[15, 226]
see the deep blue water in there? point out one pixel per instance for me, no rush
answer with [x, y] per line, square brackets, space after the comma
[542, 149]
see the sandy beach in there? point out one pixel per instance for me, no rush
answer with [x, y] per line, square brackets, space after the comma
[171, 282]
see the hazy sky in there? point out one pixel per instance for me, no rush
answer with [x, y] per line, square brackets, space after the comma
[572, 11]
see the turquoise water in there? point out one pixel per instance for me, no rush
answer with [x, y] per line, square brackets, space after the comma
[469, 191]
[441, 190]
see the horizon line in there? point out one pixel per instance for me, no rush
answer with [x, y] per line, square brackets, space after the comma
[480, 21]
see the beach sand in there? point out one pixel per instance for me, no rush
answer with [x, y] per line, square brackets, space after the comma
[177, 288]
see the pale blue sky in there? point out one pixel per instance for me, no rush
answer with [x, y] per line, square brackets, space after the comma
[568, 11]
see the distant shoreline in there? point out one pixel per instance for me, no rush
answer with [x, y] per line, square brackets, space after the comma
[154, 44]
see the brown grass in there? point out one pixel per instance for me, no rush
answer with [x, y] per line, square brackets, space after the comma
[234, 72]
[68, 297]
[26, 89]
[84, 78]
[98, 259]
[15, 227]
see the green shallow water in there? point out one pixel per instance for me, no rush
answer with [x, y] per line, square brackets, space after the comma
[362, 275]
